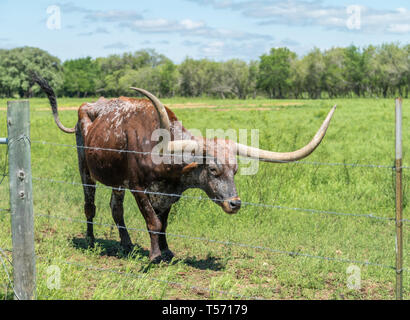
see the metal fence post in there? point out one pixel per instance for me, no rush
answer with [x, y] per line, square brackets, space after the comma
[399, 202]
[21, 199]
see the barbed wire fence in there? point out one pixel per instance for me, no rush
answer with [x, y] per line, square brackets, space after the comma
[373, 216]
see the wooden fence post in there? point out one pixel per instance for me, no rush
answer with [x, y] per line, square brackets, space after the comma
[21, 199]
[399, 202]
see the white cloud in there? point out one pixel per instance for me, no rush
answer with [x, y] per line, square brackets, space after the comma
[117, 45]
[165, 26]
[190, 43]
[287, 42]
[189, 27]
[218, 41]
[153, 25]
[223, 50]
[69, 7]
[189, 24]
[399, 28]
[213, 49]
[98, 15]
[98, 30]
[113, 16]
[315, 13]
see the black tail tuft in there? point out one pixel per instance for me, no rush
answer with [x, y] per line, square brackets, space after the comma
[52, 98]
[46, 88]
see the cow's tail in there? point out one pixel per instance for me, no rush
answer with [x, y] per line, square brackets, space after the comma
[53, 101]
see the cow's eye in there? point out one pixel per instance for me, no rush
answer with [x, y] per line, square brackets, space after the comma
[213, 170]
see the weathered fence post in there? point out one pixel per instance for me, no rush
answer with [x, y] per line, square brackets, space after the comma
[399, 202]
[21, 199]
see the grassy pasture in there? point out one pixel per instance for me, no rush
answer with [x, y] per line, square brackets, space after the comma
[361, 132]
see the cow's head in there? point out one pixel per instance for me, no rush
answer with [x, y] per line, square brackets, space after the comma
[215, 173]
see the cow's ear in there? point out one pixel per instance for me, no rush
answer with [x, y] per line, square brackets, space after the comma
[189, 167]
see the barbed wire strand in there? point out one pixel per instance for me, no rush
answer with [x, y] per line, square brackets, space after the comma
[121, 150]
[4, 174]
[218, 241]
[3, 254]
[11, 251]
[9, 284]
[179, 155]
[228, 243]
[200, 198]
[291, 253]
[201, 238]
[367, 263]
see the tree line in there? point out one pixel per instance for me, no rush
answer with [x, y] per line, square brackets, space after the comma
[372, 71]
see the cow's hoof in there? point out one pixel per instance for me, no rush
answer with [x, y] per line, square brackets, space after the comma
[167, 255]
[127, 247]
[90, 242]
[155, 258]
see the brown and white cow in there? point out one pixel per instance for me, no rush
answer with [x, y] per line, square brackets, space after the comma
[127, 124]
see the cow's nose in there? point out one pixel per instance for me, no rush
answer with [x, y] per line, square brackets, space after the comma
[235, 204]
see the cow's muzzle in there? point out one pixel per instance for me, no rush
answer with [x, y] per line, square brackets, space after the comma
[231, 205]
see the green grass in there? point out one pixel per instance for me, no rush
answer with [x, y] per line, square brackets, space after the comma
[362, 131]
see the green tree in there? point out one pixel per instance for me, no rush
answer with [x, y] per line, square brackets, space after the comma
[116, 67]
[382, 70]
[333, 79]
[198, 77]
[240, 76]
[147, 78]
[17, 66]
[407, 76]
[168, 74]
[274, 72]
[315, 71]
[389, 67]
[80, 77]
[298, 74]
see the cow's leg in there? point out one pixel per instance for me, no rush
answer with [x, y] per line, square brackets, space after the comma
[88, 187]
[89, 209]
[152, 221]
[163, 245]
[117, 209]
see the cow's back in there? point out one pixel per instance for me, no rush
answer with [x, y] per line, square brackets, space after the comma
[111, 124]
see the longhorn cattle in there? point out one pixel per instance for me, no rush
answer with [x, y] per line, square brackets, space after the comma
[114, 144]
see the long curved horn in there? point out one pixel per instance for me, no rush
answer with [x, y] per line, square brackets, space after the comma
[162, 113]
[177, 146]
[269, 156]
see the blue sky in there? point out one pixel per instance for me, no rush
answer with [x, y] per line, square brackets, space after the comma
[214, 29]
